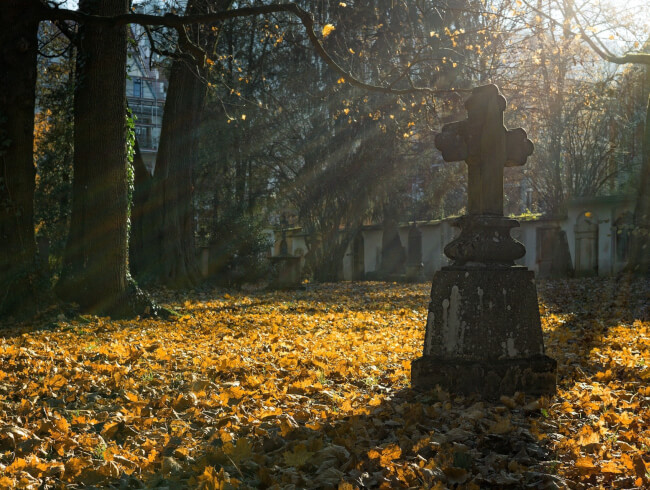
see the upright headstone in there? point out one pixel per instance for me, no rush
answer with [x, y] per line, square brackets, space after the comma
[483, 331]
[414, 266]
[553, 255]
[286, 266]
[393, 256]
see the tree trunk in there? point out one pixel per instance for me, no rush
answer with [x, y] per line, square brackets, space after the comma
[169, 256]
[639, 262]
[95, 268]
[328, 268]
[18, 48]
[137, 236]
[170, 251]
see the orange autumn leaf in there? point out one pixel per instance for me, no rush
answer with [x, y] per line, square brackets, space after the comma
[611, 467]
[327, 29]
[74, 466]
[57, 382]
[386, 455]
[588, 436]
[585, 463]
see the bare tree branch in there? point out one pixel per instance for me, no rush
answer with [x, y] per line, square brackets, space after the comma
[598, 46]
[154, 48]
[179, 22]
[601, 50]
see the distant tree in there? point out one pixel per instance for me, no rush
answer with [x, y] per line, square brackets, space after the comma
[95, 273]
[344, 152]
[639, 259]
[168, 253]
[53, 144]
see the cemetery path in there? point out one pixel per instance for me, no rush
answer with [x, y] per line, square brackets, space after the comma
[310, 389]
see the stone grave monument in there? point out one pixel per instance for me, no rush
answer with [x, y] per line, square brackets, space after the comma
[414, 265]
[393, 256]
[483, 332]
[286, 266]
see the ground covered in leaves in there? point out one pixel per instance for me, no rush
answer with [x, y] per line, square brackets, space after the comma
[310, 389]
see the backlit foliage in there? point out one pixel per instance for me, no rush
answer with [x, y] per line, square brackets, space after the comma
[311, 389]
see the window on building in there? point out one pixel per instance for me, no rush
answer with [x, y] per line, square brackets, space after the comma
[137, 87]
[143, 133]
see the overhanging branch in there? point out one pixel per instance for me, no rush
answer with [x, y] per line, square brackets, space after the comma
[606, 54]
[179, 22]
[598, 47]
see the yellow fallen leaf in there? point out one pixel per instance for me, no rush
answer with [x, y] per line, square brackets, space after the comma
[611, 467]
[585, 463]
[327, 29]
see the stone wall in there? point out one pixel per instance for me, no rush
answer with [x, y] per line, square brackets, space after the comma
[591, 239]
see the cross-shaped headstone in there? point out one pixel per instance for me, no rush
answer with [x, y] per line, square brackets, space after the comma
[487, 146]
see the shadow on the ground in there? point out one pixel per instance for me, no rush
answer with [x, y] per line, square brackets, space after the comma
[594, 330]
[410, 440]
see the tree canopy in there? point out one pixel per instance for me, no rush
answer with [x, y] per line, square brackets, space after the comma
[322, 112]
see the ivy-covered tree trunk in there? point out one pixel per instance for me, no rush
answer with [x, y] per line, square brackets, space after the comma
[95, 268]
[138, 233]
[18, 48]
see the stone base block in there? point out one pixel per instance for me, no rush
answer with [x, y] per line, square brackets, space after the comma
[489, 378]
[489, 313]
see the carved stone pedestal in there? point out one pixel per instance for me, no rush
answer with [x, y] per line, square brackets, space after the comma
[490, 378]
[484, 334]
[485, 239]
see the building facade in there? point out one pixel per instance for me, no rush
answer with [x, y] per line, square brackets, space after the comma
[146, 89]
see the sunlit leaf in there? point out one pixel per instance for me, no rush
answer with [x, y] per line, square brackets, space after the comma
[328, 29]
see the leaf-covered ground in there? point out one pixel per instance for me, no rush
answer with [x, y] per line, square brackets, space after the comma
[310, 389]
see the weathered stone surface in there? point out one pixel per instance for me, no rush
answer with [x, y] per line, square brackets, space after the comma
[414, 265]
[393, 256]
[487, 146]
[414, 253]
[484, 334]
[484, 314]
[287, 272]
[553, 255]
[490, 378]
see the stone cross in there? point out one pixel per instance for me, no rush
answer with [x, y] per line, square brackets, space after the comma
[484, 333]
[487, 146]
